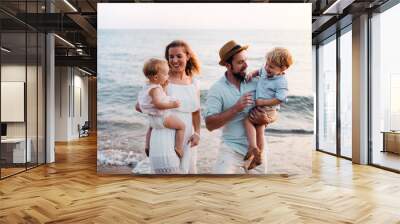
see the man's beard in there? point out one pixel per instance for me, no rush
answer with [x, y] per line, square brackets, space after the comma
[240, 76]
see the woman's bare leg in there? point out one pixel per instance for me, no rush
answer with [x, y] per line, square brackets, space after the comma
[173, 122]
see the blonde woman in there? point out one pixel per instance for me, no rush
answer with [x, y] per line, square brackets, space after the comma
[184, 87]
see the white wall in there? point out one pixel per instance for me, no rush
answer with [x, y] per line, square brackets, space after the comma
[360, 90]
[376, 83]
[81, 83]
[62, 81]
[12, 101]
[11, 73]
[33, 126]
[70, 83]
[17, 73]
[50, 94]
[314, 87]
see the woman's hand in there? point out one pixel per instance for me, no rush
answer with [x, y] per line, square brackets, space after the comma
[194, 139]
[175, 104]
[137, 107]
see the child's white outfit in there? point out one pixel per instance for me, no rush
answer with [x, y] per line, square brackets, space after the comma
[156, 116]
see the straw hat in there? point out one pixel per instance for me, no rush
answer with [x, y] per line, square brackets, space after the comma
[229, 49]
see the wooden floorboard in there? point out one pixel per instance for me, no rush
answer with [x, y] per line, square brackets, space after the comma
[70, 191]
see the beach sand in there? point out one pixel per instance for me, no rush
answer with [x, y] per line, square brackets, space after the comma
[286, 154]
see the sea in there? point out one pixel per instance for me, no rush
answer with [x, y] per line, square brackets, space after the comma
[120, 58]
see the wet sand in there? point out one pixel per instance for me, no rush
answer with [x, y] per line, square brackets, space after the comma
[287, 154]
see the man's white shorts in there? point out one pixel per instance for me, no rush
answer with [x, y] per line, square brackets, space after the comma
[231, 162]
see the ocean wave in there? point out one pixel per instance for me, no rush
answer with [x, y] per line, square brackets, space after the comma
[295, 104]
[299, 102]
[120, 125]
[289, 131]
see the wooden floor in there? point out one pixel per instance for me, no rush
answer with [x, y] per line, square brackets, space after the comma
[387, 159]
[70, 191]
[5, 172]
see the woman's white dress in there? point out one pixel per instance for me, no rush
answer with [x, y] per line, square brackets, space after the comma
[162, 156]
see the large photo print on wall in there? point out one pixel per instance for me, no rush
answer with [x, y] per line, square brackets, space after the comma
[205, 88]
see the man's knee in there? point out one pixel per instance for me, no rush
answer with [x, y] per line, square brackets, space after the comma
[229, 162]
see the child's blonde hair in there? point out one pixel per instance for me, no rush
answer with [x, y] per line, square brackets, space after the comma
[152, 66]
[280, 57]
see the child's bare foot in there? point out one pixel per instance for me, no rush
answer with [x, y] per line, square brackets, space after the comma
[256, 161]
[179, 152]
[251, 152]
[248, 162]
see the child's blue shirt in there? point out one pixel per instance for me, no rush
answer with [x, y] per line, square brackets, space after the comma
[269, 87]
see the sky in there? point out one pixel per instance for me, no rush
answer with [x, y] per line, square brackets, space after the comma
[237, 16]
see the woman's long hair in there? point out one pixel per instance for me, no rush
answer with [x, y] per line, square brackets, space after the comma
[193, 64]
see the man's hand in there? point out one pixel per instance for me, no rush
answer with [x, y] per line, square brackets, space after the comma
[259, 116]
[216, 121]
[243, 102]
